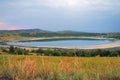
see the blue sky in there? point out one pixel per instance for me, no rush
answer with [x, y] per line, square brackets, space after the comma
[57, 15]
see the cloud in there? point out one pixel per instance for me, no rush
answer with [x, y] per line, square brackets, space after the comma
[13, 28]
[70, 4]
[5, 26]
[54, 14]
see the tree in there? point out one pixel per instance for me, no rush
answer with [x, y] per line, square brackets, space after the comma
[40, 51]
[20, 51]
[11, 49]
[48, 52]
[56, 53]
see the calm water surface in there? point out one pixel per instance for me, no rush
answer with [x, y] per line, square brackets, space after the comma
[59, 43]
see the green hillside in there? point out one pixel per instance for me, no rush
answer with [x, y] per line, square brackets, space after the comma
[35, 33]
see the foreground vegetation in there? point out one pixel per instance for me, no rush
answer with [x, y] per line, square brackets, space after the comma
[49, 64]
[14, 67]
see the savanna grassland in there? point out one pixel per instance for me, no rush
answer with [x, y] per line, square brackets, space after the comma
[32, 67]
[47, 64]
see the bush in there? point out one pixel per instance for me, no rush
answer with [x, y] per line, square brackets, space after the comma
[4, 50]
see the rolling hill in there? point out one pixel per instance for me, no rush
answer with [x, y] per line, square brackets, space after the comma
[9, 35]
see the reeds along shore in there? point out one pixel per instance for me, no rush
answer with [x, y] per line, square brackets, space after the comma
[14, 67]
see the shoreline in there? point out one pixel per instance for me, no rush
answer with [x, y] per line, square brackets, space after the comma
[113, 44]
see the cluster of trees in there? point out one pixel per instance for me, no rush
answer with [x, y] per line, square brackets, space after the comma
[15, 50]
[19, 51]
[79, 53]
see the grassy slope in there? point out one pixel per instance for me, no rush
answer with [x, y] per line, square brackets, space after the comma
[9, 36]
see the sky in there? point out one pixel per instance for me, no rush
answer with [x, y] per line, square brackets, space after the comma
[58, 15]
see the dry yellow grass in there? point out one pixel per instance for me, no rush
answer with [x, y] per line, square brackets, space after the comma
[14, 67]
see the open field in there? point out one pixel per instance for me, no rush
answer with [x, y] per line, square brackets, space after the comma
[14, 67]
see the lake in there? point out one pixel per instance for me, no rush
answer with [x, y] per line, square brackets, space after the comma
[59, 43]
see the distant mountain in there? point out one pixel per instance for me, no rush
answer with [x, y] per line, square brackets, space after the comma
[25, 30]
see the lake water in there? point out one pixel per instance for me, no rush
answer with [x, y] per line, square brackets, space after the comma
[59, 43]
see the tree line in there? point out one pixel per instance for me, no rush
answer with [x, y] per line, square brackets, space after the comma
[64, 52]
[78, 53]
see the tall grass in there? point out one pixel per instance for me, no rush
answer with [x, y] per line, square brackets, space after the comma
[14, 67]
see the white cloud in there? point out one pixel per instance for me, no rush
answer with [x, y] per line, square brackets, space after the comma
[71, 4]
[83, 4]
